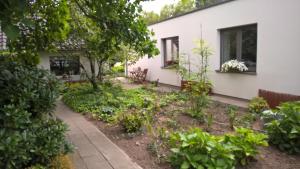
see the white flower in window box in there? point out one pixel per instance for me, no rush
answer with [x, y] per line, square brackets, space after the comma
[234, 66]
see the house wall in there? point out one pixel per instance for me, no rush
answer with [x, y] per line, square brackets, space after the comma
[278, 29]
[45, 63]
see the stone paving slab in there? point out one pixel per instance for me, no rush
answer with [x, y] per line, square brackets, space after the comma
[93, 150]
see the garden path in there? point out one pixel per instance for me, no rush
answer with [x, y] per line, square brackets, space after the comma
[93, 150]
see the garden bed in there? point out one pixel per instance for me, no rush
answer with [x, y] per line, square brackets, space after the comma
[137, 146]
[150, 151]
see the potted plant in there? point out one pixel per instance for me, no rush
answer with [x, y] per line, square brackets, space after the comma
[234, 66]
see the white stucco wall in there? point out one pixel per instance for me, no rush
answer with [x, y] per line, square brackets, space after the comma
[278, 60]
[45, 63]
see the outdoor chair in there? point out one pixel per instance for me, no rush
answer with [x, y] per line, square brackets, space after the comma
[138, 75]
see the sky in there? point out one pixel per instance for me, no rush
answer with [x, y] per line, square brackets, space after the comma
[156, 5]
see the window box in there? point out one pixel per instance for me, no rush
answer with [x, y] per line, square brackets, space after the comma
[238, 72]
[240, 43]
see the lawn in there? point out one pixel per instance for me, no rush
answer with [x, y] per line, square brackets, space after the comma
[160, 130]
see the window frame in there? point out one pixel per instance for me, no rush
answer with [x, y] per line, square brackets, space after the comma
[55, 57]
[164, 49]
[239, 43]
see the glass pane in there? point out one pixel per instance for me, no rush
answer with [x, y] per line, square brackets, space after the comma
[171, 48]
[249, 47]
[229, 43]
[61, 65]
[175, 48]
[168, 50]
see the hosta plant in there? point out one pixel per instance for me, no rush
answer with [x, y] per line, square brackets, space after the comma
[257, 105]
[233, 66]
[196, 149]
[245, 143]
[284, 129]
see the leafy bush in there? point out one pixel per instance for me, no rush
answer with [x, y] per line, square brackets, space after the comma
[198, 104]
[132, 122]
[118, 69]
[257, 105]
[168, 98]
[245, 143]
[198, 149]
[284, 129]
[35, 90]
[232, 114]
[28, 134]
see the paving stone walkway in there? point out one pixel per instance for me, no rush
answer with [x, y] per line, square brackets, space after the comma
[93, 150]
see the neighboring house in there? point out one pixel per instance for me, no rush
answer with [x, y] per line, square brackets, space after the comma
[60, 63]
[265, 34]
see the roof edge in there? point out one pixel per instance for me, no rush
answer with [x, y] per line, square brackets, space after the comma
[192, 11]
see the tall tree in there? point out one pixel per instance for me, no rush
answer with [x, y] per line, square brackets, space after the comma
[33, 25]
[150, 17]
[117, 23]
[181, 7]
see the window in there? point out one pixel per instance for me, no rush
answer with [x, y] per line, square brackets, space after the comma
[60, 65]
[170, 50]
[240, 43]
[3, 41]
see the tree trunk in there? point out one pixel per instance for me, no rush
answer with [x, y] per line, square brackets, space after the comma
[100, 72]
[93, 74]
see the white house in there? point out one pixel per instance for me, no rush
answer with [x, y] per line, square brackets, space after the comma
[265, 34]
[63, 62]
[60, 64]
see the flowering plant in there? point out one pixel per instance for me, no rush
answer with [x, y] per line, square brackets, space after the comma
[233, 66]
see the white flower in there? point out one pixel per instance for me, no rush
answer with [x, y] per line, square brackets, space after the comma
[233, 65]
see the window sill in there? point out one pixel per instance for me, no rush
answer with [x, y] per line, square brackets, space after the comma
[174, 66]
[245, 73]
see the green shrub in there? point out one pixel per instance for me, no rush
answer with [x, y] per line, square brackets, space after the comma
[232, 114]
[198, 104]
[132, 122]
[118, 69]
[257, 105]
[35, 90]
[245, 143]
[28, 134]
[169, 98]
[284, 129]
[197, 149]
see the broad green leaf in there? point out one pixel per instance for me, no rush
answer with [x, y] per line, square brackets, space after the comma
[185, 165]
